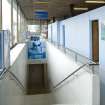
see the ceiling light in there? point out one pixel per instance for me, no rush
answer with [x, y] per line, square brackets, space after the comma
[80, 8]
[94, 1]
[40, 2]
[40, 10]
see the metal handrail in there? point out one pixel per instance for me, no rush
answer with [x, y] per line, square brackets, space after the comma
[77, 70]
[80, 55]
[61, 82]
[58, 45]
[71, 74]
[5, 71]
[16, 80]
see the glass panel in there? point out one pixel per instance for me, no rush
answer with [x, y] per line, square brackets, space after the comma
[14, 22]
[6, 12]
[44, 30]
[1, 50]
[19, 23]
[22, 36]
[34, 28]
[0, 14]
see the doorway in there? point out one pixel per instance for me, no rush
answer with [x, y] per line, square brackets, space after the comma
[95, 41]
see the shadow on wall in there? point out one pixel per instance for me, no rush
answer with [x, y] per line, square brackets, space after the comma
[79, 89]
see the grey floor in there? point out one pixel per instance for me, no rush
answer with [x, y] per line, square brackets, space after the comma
[11, 94]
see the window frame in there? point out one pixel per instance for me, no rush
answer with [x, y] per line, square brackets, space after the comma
[19, 24]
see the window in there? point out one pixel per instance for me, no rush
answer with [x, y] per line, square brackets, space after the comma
[6, 22]
[44, 30]
[19, 23]
[6, 17]
[0, 15]
[34, 28]
[22, 36]
[12, 19]
[14, 22]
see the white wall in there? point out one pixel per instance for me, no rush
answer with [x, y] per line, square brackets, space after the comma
[78, 38]
[49, 31]
[19, 66]
[61, 32]
[54, 32]
[78, 90]
[77, 30]
[10, 91]
[83, 44]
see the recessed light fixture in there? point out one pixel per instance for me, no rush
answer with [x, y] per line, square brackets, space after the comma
[80, 8]
[95, 1]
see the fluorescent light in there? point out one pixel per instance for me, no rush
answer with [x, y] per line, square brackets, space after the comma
[40, 2]
[94, 1]
[40, 10]
[80, 8]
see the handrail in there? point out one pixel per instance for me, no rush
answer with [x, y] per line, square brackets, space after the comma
[2, 74]
[58, 45]
[71, 74]
[16, 80]
[90, 62]
[80, 55]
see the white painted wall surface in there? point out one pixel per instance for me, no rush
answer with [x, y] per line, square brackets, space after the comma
[92, 15]
[54, 32]
[61, 32]
[78, 90]
[77, 30]
[19, 66]
[10, 91]
[78, 38]
[49, 32]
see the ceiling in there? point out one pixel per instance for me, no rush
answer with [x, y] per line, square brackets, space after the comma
[56, 8]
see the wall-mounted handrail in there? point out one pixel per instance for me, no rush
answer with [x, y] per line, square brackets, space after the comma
[71, 74]
[16, 80]
[80, 55]
[76, 53]
[77, 70]
[2, 74]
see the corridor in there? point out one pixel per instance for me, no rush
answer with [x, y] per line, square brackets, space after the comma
[52, 52]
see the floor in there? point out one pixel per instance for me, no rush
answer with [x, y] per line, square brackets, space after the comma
[11, 94]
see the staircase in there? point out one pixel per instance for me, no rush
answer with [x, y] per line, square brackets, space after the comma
[73, 82]
[12, 94]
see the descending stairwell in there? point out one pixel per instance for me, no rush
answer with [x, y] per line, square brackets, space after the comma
[12, 94]
[71, 82]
